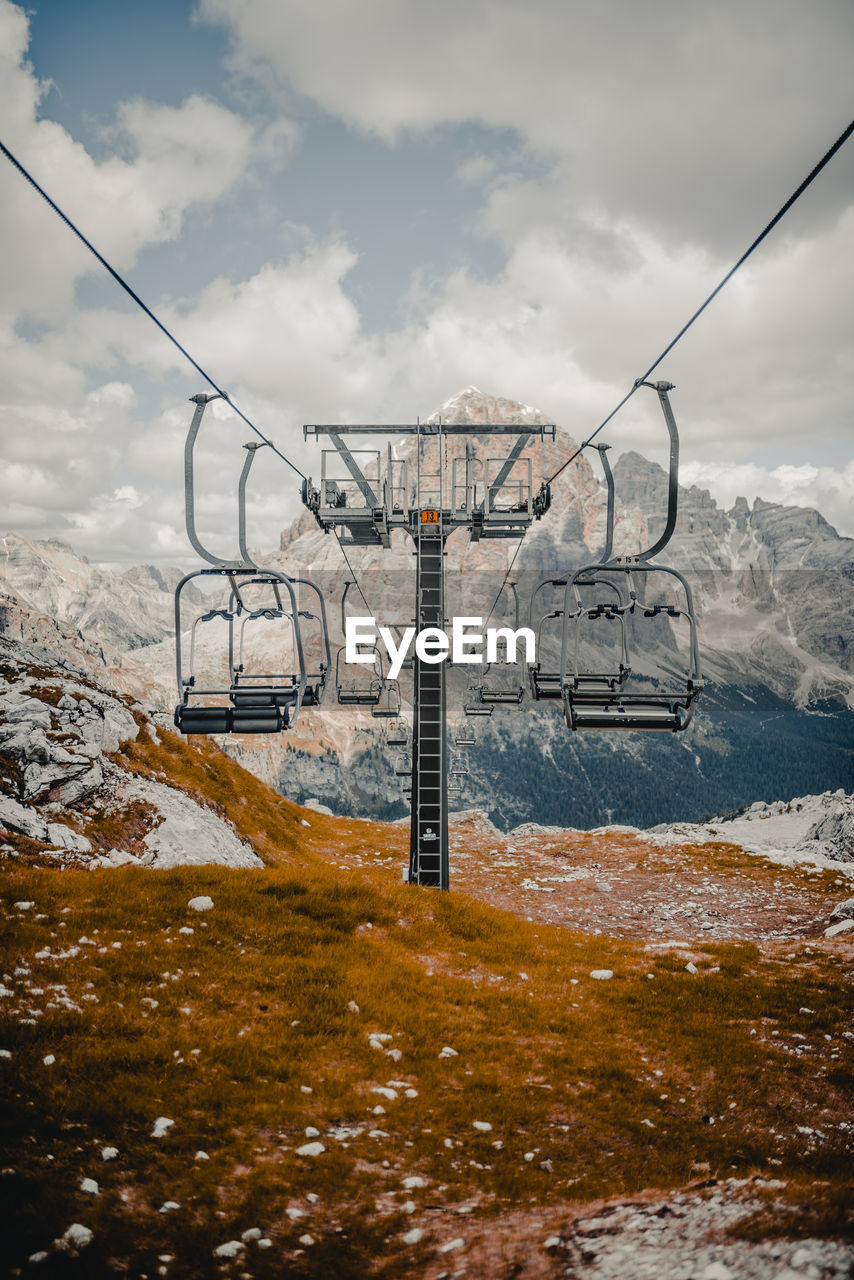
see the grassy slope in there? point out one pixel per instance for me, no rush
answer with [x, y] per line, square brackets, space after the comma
[565, 1068]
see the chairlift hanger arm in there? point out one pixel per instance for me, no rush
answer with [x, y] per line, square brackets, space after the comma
[662, 389]
[609, 520]
[251, 448]
[201, 402]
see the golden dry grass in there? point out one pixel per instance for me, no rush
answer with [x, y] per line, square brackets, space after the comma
[608, 1086]
[241, 1031]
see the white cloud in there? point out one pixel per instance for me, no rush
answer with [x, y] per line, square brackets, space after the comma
[164, 161]
[681, 114]
[598, 269]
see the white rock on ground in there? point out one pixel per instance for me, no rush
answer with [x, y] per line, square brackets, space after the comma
[201, 903]
[75, 1237]
[189, 834]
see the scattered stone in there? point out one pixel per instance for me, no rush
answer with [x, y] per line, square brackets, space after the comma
[230, 1249]
[311, 1149]
[601, 975]
[202, 903]
[89, 1186]
[162, 1125]
[843, 926]
[74, 1238]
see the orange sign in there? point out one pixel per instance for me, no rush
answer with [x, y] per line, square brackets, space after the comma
[429, 517]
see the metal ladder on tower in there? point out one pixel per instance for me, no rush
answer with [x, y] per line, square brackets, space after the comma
[428, 861]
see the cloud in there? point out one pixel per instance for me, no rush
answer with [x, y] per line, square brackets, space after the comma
[600, 265]
[161, 162]
[697, 118]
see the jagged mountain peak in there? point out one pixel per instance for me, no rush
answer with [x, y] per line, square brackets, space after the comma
[476, 406]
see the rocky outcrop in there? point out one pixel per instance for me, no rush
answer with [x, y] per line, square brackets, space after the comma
[61, 791]
[833, 832]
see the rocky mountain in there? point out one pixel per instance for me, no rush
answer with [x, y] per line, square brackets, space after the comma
[774, 590]
[124, 611]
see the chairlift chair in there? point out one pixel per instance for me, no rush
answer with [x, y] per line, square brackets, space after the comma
[388, 707]
[474, 704]
[547, 679]
[465, 736]
[501, 683]
[253, 687]
[358, 691]
[265, 702]
[397, 734]
[458, 766]
[403, 766]
[600, 700]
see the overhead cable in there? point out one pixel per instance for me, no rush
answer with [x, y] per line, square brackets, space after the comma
[128, 290]
[353, 571]
[826, 158]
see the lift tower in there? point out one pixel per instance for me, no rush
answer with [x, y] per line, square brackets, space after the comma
[364, 495]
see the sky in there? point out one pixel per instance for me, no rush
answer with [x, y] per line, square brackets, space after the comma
[349, 212]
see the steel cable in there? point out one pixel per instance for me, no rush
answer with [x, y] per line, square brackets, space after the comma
[130, 292]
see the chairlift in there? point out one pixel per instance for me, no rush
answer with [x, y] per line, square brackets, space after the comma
[397, 734]
[364, 690]
[371, 688]
[403, 766]
[597, 700]
[251, 687]
[474, 704]
[458, 765]
[502, 684]
[465, 736]
[546, 679]
[388, 707]
[265, 702]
